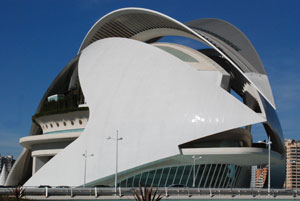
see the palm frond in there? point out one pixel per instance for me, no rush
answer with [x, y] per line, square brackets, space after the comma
[154, 194]
[147, 194]
[136, 196]
[142, 193]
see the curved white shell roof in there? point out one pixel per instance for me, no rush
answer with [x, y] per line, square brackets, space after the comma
[148, 25]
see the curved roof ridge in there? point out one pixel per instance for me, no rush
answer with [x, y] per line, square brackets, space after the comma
[111, 15]
[231, 36]
[145, 24]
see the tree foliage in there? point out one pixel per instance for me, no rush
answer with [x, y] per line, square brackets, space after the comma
[147, 194]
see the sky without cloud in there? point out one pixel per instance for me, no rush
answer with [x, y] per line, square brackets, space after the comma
[38, 38]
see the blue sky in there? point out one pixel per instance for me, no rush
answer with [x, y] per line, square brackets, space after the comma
[38, 38]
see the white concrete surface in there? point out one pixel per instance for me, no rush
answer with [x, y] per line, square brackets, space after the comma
[155, 100]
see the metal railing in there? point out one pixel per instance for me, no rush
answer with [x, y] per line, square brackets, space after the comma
[69, 192]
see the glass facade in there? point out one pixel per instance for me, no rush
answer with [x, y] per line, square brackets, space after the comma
[206, 176]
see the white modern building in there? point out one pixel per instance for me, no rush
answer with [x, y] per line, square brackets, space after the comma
[173, 106]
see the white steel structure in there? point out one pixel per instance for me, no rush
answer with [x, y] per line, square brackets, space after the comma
[169, 101]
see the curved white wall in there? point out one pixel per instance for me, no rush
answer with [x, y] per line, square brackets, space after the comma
[155, 100]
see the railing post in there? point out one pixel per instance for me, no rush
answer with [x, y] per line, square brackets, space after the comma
[46, 192]
[120, 192]
[71, 193]
[96, 193]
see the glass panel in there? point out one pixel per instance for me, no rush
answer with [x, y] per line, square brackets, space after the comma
[237, 175]
[129, 182]
[136, 181]
[207, 175]
[157, 177]
[233, 176]
[150, 178]
[171, 176]
[212, 179]
[225, 176]
[202, 177]
[191, 176]
[178, 174]
[143, 178]
[123, 183]
[210, 175]
[186, 174]
[222, 177]
[175, 175]
[230, 175]
[164, 177]
[199, 171]
[218, 177]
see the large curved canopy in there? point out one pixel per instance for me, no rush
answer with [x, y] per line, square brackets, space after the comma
[234, 41]
[148, 26]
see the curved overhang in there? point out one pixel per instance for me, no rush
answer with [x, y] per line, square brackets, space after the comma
[234, 155]
[148, 26]
[29, 141]
[216, 155]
